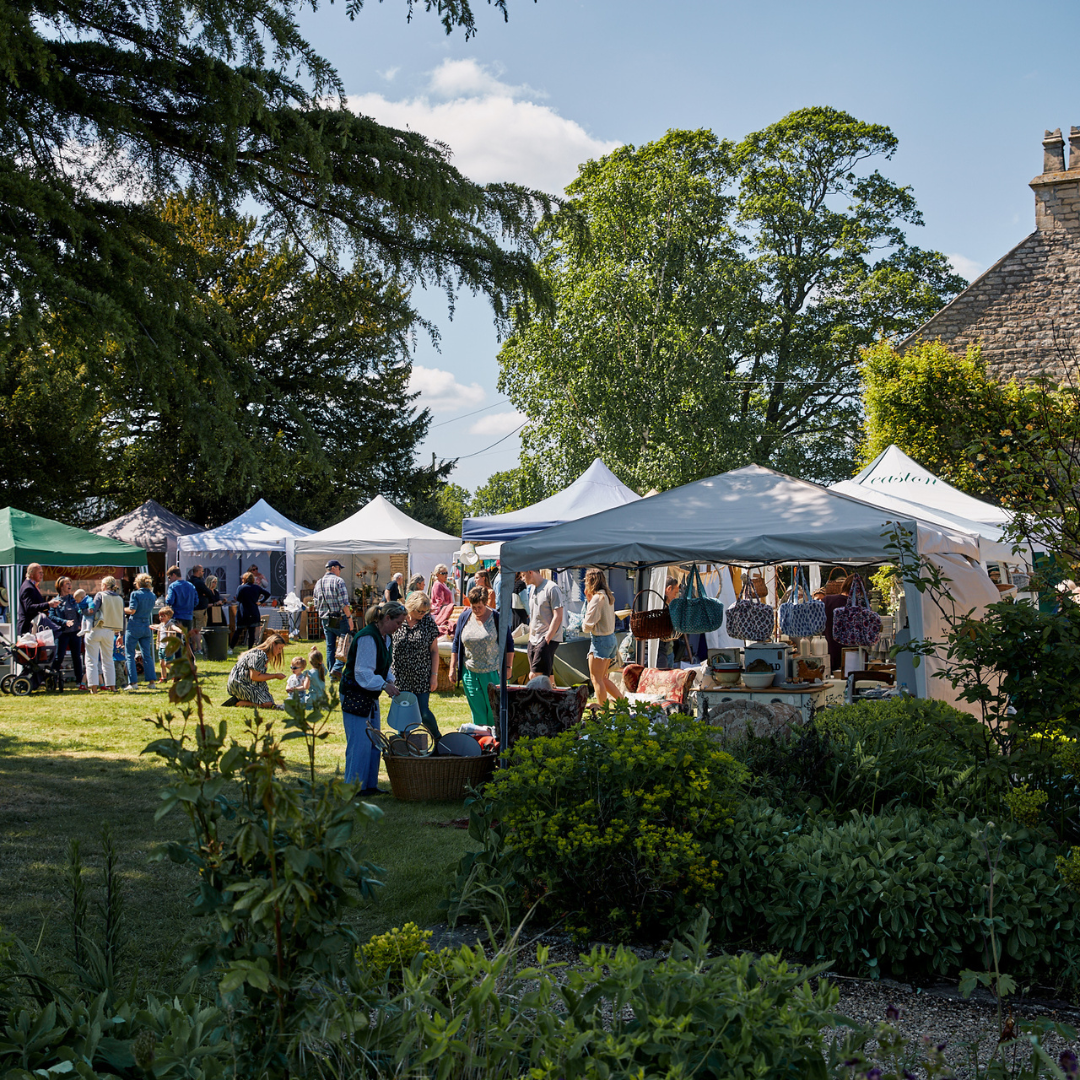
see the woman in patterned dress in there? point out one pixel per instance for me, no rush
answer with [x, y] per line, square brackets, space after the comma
[475, 653]
[416, 656]
[248, 678]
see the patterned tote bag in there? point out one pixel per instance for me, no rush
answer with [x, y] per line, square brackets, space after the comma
[856, 623]
[748, 618]
[800, 615]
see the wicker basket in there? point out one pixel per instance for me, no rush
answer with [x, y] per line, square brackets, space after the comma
[435, 779]
[649, 625]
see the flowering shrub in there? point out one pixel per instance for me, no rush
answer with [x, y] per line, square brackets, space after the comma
[1025, 805]
[1069, 868]
[614, 822]
[386, 956]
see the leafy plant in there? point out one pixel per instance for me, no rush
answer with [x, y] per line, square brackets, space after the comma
[890, 893]
[691, 1014]
[614, 823]
[279, 863]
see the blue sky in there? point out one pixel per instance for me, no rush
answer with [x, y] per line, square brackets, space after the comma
[967, 88]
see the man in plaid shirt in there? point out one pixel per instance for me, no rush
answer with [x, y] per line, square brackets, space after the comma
[331, 599]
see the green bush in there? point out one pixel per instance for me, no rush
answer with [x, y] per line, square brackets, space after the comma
[873, 756]
[891, 894]
[612, 825]
[691, 1014]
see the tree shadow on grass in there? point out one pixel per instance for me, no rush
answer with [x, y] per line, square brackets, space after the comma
[50, 796]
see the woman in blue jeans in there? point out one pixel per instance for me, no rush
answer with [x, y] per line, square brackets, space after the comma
[367, 674]
[140, 611]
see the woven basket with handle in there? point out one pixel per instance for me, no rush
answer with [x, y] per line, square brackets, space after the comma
[834, 585]
[646, 625]
[436, 779]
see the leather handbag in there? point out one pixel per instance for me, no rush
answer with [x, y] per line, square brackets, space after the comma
[748, 618]
[856, 623]
[647, 625]
[693, 612]
[801, 618]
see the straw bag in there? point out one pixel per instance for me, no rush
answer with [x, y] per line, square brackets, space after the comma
[761, 586]
[832, 588]
[694, 612]
[856, 623]
[647, 625]
[748, 618]
[801, 619]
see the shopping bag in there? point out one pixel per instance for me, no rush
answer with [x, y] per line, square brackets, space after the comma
[692, 612]
[341, 649]
[801, 616]
[748, 618]
[856, 623]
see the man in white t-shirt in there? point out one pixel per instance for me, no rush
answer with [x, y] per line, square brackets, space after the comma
[545, 622]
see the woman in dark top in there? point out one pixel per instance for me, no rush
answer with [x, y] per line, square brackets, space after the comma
[68, 638]
[416, 656]
[248, 598]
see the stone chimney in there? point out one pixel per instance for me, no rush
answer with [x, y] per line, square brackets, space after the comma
[1057, 190]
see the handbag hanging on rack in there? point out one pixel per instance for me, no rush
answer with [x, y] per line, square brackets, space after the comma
[832, 585]
[693, 612]
[748, 618]
[856, 623]
[648, 625]
[801, 619]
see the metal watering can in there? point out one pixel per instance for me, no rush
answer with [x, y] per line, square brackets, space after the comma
[404, 711]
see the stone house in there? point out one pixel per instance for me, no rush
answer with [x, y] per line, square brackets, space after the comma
[1026, 307]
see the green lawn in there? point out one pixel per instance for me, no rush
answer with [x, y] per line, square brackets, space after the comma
[71, 762]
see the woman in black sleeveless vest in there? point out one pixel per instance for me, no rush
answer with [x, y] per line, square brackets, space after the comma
[366, 675]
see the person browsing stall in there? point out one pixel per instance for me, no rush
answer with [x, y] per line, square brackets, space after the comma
[475, 654]
[248, 598]
[545, 622]
[599, 623]
[368, 674]
[416, 656]
[138, 637]
[31, 601]
[182, 597]
[330, 598]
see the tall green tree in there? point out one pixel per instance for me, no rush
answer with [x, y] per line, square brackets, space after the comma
[511, 489]
[288, 383]
[106, 107]
[712, 299]
[1013, 444]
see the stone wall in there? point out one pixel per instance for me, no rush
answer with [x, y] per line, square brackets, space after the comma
[1025, 310]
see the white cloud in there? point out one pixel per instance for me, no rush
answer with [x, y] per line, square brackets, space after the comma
[389, 73]
[494, 134]
[500, 423]
[965, 267]
[441, 392]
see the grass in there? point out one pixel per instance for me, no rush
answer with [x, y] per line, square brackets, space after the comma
[69, 763]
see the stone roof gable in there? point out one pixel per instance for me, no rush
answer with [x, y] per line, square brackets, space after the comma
[1014, 309]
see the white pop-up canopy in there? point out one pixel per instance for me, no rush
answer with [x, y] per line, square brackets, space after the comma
[751, 516]
[259, 537]
[368, 539]
[596, 489]
[893, 473]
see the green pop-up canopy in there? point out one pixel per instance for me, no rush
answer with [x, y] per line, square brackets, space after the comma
[27, 538]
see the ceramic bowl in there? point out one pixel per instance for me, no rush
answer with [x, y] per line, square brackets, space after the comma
[727, 676]
[758, 680]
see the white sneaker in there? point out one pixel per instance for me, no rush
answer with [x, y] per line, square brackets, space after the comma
[130, 688]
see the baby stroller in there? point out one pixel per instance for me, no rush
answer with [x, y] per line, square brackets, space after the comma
[35, 661]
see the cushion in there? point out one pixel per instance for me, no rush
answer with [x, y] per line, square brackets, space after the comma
[631, 673]
[534, 713]
[672, 683]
